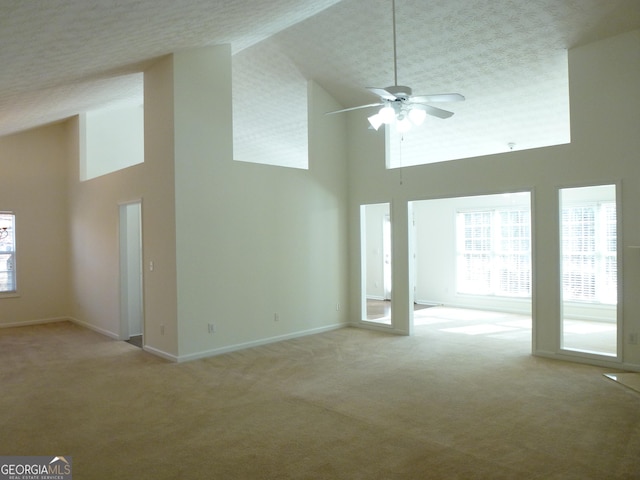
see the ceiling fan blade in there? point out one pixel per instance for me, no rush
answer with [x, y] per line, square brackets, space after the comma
[434, 111]
[438, 97]
[382, 93]
[355, 108]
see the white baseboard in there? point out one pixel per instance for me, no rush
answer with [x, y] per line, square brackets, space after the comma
[255, 343]
[160, 353]
[41, 321]
[380, 327]
[102, 331]
[422, 301]
[429, 303]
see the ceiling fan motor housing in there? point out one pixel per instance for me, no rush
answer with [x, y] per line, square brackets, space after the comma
[400, 91]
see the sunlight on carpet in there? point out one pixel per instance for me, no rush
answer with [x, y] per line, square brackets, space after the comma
[481, 329]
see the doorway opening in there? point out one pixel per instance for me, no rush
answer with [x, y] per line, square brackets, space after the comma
[131, 288]
[471, 262]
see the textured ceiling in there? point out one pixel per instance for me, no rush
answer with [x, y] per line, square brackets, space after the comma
[282, 140]
[508, 57]
[61, 57]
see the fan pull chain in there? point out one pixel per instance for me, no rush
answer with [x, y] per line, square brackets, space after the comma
[400, 158]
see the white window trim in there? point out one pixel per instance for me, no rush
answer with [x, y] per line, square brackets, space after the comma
[14, 291]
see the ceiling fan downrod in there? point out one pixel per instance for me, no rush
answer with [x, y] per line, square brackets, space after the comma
[395, 56]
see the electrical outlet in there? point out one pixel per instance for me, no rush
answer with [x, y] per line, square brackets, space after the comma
[633, 338]
[212, 328]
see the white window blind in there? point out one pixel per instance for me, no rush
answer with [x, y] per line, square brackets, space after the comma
[514, 253]
[589, 263]
[494, 252]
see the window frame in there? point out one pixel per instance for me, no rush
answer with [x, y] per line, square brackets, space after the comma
[11, 251]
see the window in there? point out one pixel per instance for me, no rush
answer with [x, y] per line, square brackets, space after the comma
[589, 264]
[494, 252]
[7, 252]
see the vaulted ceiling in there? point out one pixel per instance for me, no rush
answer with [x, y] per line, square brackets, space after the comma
[508, 57]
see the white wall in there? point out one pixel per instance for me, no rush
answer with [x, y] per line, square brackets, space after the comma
[605, 145]
[93, 207]
[33, 182]
[158, 212]
[252, 241]
[111, 140]
[232, 243]
[270, 108]
[94, 241]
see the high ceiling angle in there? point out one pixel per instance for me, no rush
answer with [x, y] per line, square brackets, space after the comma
[508, 58]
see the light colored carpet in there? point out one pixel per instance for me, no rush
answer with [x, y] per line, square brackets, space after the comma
[348, 404]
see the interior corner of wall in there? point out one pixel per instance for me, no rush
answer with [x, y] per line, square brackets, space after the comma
[82, 145]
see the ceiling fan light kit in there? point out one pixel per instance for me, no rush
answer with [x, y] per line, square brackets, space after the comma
[417, 116]
[398, 104]
[398, 109]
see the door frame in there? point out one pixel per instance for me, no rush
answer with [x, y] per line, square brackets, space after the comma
[125, 265]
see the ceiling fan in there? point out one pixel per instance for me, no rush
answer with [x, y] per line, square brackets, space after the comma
[398, 103]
